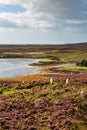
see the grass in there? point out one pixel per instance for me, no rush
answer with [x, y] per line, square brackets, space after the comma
[62, 70]
[49, 62]
[74, 68]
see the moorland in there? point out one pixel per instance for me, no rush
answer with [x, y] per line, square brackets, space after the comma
[55, 98]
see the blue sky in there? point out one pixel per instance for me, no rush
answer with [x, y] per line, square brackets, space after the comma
[14, 8]
[43, 21]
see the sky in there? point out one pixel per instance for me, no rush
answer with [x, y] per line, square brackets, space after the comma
[43, 21]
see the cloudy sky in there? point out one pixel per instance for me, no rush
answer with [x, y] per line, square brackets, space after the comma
[43, 21]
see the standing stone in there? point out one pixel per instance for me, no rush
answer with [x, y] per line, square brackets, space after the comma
[67, 81]
[51, 81]
[71, 73]
[82, 93]
[23, 82]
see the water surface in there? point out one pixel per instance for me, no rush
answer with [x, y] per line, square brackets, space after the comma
[16, 67]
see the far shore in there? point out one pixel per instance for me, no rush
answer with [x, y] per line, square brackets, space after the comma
[39, 74]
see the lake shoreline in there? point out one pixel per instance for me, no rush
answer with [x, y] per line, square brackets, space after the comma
[16, 67]
[41, 70]
[38, 72]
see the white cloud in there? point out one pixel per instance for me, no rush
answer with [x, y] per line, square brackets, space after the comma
[71, 29]
[28, 19]
[24, 20]
[73, 21]
[42, 13]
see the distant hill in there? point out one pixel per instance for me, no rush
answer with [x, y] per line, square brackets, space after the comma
[39, 47]
[83, 44]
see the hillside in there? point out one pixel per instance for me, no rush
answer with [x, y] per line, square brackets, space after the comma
[32, 103]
